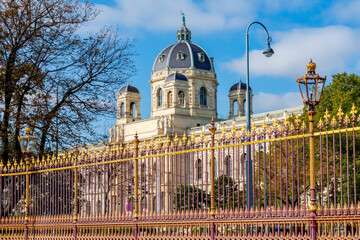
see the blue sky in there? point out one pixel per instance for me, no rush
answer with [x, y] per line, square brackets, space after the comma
[326, 31]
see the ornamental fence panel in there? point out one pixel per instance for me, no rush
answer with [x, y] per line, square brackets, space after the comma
[193, 187]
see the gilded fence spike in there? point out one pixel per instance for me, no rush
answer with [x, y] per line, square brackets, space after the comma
[333, 121]
[184, 137]
[292, 127]
[160, 142]
[275, 124]
[201, 134]
[223, 132]
[233, 130]
[320, 124]
[253, 127]
[197, 141]
[353, 111]
[238, 135]
[218, 137]
[303, 126]
[168, 140]
[228, 136]
[107, 149]
[206, 140]
[180, 142]
[128, 146]
[264, 125]
[188, 142]
[172, 145]
[144, 144]
[192, 136]
[297, 120]
[326, 116]
[53, 159]
[243, 128]
[280, 128]
[2, 164]
[176, 138]
[286, 121]
[340, 113]
[346, 120]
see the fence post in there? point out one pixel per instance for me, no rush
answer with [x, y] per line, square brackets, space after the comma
[1, 189]
[136, 190]
[76, 198]
[27, 194]
[212, 178]
[313, 228]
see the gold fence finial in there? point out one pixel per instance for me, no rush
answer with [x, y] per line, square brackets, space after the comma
[184, 137]
[233, 130]
[326, 116]
[192, 136]
[167, 140]
[353, 111]
[264, 124]
[340, 113]
[176, 138]
[275, 124]
[223, 133]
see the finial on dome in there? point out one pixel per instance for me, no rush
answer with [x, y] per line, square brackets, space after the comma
[183, 18]
[183, 34]
[311, 66]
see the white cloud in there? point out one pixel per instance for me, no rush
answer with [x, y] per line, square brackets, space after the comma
[203, 16]
[345, 12]
[264, 102]
[333, 48]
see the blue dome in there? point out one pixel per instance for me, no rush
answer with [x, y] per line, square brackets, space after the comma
[183, 54]
[128, 88]
[236, 86]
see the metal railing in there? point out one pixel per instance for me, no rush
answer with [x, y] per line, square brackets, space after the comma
[192, 187]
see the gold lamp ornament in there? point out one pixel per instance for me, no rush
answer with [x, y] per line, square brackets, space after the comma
[27, 141]
[311, 86]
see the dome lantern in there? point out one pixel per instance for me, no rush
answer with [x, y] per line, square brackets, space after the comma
[183, 34]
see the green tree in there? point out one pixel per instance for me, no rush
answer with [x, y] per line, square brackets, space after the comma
[42, 56]
[227, 195]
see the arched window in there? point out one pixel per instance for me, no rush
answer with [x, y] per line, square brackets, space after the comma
[203, 96]
[228, 166]
[122, 110]
[235, 108]
[159, 97]
[199, 167]
[133, 110]
[169, 100]
[181, 98]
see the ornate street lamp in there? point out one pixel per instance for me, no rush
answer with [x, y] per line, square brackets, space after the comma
[268, 52]
[311, 87]
[27, 143]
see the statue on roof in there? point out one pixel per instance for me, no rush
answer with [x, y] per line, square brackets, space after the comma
[183, 17]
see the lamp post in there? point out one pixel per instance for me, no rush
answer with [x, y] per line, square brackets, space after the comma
[268, 52]
[27, 143]
[311, 86]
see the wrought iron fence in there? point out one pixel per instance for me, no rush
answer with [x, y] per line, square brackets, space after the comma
[192, 187]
